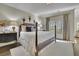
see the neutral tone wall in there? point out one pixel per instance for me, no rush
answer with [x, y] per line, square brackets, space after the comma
[43, 22]
[76, 17]
[71, 24]
[76, 20]
[70, 20]
[10, 13]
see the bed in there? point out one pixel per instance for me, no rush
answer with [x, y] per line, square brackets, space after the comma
[27, 39]
[53, 49]
[33, 40]
[39, 42]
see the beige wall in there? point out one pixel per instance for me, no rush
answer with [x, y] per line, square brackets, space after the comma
[70, 20]
[71, 24]
[10, 13]
[43, 22]
[76, 17]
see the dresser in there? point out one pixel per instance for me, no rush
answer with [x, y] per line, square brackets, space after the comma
[7, 37]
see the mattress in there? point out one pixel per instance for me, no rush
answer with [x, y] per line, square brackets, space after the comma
[42, 36]
[27, 39]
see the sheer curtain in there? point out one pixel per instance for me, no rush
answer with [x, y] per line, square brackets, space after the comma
[58, 21]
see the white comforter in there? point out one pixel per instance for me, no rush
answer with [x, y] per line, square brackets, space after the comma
[27, 39]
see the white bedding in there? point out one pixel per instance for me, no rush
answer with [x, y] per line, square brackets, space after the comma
[27, 39]
[42, 36]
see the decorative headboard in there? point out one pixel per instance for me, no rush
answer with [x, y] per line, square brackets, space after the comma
[28, 27]
[36, 34]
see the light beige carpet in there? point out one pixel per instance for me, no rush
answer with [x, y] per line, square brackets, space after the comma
[6, 53]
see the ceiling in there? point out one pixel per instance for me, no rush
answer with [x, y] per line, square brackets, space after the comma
[36, 8]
